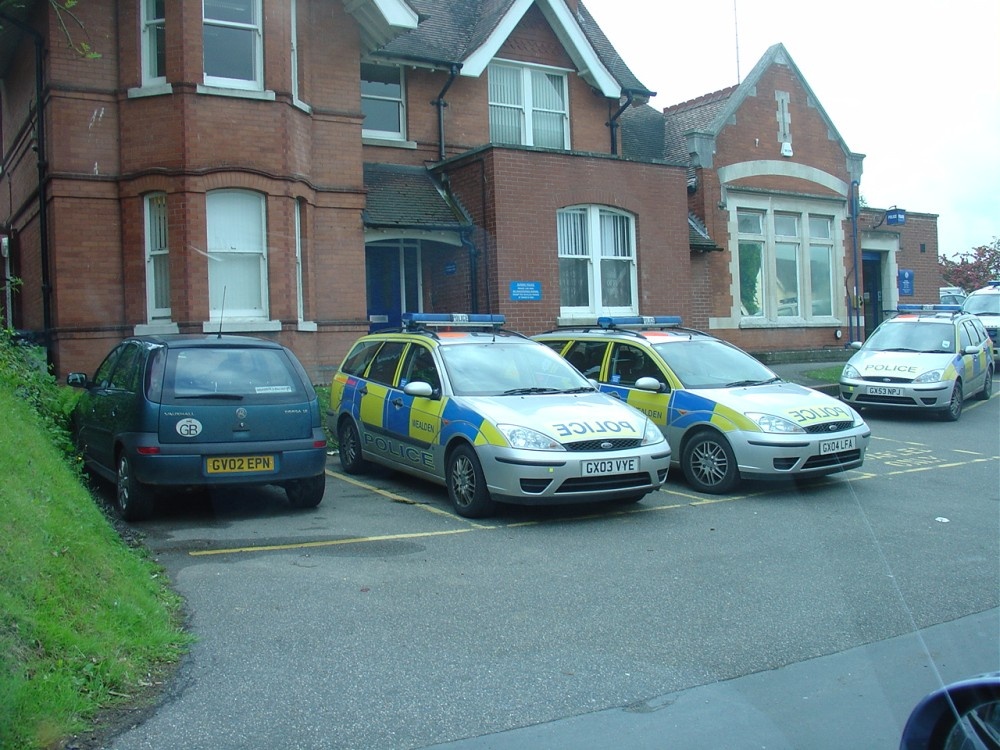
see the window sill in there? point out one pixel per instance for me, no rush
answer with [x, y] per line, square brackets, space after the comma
[306, 325]
[240, 325]
[368, 140]
[267, 96]
[150, 89]
[155, 329]
[790, 322]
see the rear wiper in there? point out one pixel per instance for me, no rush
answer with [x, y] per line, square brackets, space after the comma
[522, 391]
[224, 396]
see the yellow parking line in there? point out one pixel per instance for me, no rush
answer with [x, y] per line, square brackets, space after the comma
[331, 542]
[405, 500]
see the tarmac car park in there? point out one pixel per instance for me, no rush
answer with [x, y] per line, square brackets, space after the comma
[985, 304]
[927, 357]
[492, 415]
[725, 415]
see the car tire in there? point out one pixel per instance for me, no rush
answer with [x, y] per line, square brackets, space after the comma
[467, 484]
[709, 463]
[133, 499]
[954, 410]
[984, 395]
[306, 493]
[350, 448]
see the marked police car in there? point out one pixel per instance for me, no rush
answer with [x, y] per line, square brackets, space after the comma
[725, 415]
[929, 357]
[490, 414]
[985, 304]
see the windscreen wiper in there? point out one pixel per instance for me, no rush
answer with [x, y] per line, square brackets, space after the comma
[523, 391]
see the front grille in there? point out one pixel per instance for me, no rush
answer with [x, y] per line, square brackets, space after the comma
[867, 398]
[616, 444]
[595, 484]
[833, 459]
[882, 380]
[822, 429]
[818, 462]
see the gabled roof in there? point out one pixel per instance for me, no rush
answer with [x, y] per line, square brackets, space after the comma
[407, 197]
[710, 113]
[381, 20]
[469, 34]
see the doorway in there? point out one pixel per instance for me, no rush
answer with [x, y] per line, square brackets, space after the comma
[392, 273]
[871, 285]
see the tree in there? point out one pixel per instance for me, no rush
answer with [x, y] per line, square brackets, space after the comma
[973, 269]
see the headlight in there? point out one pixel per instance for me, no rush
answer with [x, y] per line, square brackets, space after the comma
[931, 376]
[527, 439]
[771, 423]
[652, 434]
[850, 373]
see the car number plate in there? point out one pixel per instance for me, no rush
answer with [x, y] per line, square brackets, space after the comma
[882, 390]
[827, 447]
[607, 466]
[238, 464]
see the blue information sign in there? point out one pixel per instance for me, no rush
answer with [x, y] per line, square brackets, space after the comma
[521, 291]
[905, 284]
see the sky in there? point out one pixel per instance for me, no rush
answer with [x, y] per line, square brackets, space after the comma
[914, 85]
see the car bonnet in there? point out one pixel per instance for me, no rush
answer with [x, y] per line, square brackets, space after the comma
[564, 417]
[902, 365]
[802, 406]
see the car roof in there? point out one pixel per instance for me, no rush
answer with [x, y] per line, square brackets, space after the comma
[655, 330]
[992, 288]
[450, 328]
[206, 340]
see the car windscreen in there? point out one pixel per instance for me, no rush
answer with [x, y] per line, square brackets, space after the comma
[494, 368]
[227, 373]
[710, 363]
[922, 337]
[982, 304]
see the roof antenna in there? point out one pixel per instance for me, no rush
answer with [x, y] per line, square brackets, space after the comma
[736, 30]
[222, 311]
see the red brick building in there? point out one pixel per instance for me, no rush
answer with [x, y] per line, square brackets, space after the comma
[772, 183]
[307, 169]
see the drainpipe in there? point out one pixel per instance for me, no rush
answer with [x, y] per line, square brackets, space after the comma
[43, 223]
[854, 242]
[440, 103]
[473, 268]
[613, 122]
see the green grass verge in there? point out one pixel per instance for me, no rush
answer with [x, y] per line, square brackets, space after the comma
[85, 621]
[827, 374]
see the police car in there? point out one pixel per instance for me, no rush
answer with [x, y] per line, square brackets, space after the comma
[929, 357]
[985, 304]
[490, 414]
[725, 415]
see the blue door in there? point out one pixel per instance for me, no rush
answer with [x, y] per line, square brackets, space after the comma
[392, 269]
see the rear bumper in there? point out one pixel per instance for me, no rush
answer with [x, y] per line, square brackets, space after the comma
[177, 465]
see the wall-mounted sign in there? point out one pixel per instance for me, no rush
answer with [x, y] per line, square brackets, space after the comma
[905, 282]
[895, 216]
[522, 291]
[450, 269]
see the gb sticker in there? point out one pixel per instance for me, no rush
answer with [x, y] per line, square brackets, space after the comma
[189, 428]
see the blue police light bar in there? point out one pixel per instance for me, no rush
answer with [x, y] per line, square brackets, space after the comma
[993, 282]
[639, 321]
[928, 308]
[453, 320]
